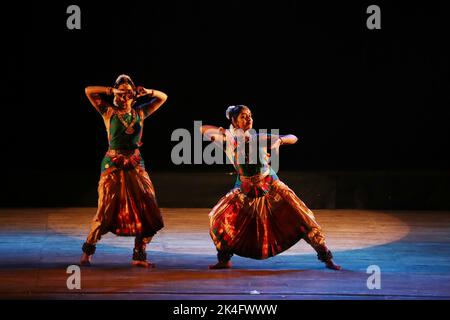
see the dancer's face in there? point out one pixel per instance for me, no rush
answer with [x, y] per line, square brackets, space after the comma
[244, 120]
[126, 98]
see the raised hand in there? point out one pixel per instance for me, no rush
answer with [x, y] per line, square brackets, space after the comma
[276, 144]
[141, 91]
[117, 91]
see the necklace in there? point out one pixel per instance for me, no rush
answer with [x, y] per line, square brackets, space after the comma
[129, 127]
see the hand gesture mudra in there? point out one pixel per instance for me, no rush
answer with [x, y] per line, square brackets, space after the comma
[276, 145]
[141, 91]
[117, 91]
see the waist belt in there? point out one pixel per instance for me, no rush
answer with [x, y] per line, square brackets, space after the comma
[116, 152]
[256, 178]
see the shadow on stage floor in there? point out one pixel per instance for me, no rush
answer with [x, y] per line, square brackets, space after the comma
[411, 250]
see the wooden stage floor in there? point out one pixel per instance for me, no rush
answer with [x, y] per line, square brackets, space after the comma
[412, 250]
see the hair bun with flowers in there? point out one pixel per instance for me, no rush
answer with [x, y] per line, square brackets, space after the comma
[124, 78]
[229, 111]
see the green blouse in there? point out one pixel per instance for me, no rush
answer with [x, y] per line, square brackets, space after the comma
[118, 138]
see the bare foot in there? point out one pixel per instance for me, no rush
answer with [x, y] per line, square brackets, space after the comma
[85, 260]
[221, 265]
[143, 264]
[331, 265]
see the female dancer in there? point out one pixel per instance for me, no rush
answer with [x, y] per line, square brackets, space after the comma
[261, 217]
[126, 204]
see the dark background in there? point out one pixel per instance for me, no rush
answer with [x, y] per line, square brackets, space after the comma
[359, 100]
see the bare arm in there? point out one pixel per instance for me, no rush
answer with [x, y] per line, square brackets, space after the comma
[288, 139]
[158, 99]
[96, 96]
[285, 139]
[213, 133]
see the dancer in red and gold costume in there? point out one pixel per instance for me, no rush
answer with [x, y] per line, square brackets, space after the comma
[126, 198]
[261, 217]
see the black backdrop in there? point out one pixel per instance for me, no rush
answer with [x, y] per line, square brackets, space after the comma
[358, 99]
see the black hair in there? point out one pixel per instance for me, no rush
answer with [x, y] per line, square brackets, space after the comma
[123, 78]
[233, 111]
